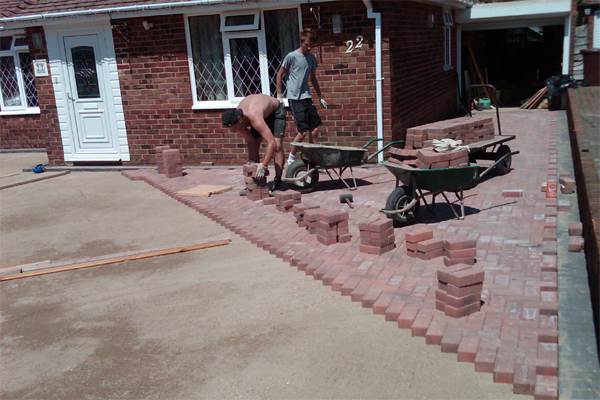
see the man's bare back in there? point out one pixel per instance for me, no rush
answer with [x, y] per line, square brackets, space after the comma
[257, 105]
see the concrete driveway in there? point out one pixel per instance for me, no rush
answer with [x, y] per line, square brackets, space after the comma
[225, 322]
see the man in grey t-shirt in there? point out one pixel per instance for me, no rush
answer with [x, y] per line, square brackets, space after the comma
[300, 65]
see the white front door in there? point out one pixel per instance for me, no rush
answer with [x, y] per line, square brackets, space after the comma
[86, 86]
[88, 99]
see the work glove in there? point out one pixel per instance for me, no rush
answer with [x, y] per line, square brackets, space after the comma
[260, 171]
[323, 102]
[280, 98]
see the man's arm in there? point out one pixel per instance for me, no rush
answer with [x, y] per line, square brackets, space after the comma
[258, 123]
[278, 81]
[315, 85]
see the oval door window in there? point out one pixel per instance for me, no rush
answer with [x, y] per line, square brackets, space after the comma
[86, 76]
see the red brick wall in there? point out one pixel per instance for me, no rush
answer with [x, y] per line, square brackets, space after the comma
[157, 98]
[419, 88]
[39, 130]
[347, 79]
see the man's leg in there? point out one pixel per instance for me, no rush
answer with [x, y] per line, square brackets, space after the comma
[253, 147]
[278, 158]
[313, 136]
[299, 138]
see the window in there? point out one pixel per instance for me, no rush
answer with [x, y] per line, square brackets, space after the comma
[17, 83]
[234, 55]
[447, 47]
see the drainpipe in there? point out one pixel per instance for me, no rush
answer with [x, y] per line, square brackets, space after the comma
[378, 75]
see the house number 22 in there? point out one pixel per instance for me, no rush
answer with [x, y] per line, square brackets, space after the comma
[351, 46]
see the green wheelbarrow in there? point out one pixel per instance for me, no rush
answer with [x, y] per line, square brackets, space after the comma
[403, 204]
[303, 173]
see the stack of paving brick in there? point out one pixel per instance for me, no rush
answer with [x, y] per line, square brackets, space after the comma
[332, 227]
[467, 129]
[377, 236]
[460, 251]
[427, 159]
[459, 290]
[421, 244]
[402, 156]
[310, 219]
[160, 161]
[299, 212]
[256, 189]
[284, 201]
[576, 242]
[172, 163]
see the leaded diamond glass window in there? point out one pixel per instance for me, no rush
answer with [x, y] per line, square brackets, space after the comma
[17, 82]
[228, 65]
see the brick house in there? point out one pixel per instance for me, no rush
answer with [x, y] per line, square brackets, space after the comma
[108, 81]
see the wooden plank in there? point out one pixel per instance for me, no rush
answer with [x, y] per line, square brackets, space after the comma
[204, 190]
[6, 176]
[35, 179]
[112, 260]
[477, 70]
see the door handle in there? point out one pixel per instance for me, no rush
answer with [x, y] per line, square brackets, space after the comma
[69, 96]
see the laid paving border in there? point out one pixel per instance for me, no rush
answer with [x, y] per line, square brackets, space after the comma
[579, 372]
[514, 336]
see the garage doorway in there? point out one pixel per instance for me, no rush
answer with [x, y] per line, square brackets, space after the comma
[516, 61]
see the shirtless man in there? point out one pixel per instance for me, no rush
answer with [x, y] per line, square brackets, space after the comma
[260, 117]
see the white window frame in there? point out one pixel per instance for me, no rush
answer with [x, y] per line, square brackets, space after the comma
[14, 52]
[253, 26]
[262, 59]
[447, 14]
[258, 32]
[447, 48]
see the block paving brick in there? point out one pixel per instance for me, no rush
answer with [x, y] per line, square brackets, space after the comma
[510, 336]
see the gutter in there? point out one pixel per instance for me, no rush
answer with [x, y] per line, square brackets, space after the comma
[108, 10]
[378, 76]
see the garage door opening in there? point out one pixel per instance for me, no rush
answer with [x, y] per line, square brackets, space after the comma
[516, 61]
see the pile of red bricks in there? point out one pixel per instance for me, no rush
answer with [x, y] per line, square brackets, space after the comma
[300, 211]
[427, 159]
[256, 189]
[160, 161]
[467, 129]
[402, 156]
[285, 201]
[421, 244]
[459, 290]
[576, 242]
[460, 251]
[169, 162]
[331, 226]
[377, 236]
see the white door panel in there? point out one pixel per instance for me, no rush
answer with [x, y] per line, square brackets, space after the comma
[89, 101]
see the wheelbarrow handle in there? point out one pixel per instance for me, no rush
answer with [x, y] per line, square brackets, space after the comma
[403, 209]
[371, 141]
[496, 163]
[300, 178]
[383, 148]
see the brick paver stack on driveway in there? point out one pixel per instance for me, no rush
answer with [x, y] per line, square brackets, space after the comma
[514, 336]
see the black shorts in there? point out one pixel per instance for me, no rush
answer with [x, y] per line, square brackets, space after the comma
[275, 122]
[305, 114]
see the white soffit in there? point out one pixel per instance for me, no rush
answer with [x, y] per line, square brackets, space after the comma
[514, 14]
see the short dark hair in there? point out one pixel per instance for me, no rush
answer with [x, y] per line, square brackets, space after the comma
[230, 117]
[308, 33]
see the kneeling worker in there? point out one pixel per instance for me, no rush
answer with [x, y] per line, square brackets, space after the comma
[259, 117]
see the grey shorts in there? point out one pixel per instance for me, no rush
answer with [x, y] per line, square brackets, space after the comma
[275, 122]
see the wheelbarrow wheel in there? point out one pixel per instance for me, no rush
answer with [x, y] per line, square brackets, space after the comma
[298, 169]
[503, 166]
[397, 200]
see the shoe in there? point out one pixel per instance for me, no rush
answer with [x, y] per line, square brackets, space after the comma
[288, 163]
[277, 185]
[243, 192]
